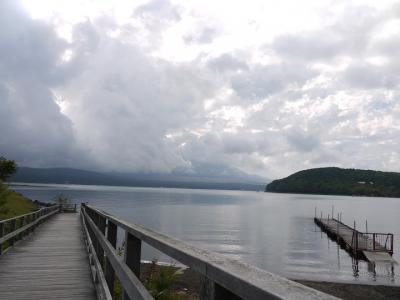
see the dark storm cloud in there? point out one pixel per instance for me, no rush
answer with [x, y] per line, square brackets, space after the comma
[33, 130]
[300, 100]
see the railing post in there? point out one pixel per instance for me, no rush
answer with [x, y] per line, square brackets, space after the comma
[13, 228]
[102, 228]
[211, 290]
[356, 242]
[373, 241]
[132, 255]
[112, 238]
[391, 243]
[1, 235]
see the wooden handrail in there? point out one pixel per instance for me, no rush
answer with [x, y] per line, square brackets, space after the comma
[222, 278]
[31, 220]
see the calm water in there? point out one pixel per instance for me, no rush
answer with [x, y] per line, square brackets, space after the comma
[275, 232]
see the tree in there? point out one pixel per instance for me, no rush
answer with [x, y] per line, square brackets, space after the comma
[7, 168]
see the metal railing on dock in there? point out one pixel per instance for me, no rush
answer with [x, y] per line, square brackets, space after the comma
[222, 278]
[354, 240]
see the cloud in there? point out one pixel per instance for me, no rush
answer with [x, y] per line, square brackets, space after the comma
[33, 130]
[108, 97]
[227, 62]
[205, 35]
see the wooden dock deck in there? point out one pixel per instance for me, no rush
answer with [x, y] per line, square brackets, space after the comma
[51, 263]
[49, 254]
[366, 245]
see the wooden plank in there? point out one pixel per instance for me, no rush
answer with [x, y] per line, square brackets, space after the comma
[379, 257]
[132, 285]
[245, 281]
[51, 263]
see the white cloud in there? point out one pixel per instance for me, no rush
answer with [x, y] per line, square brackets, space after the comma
[161, 85]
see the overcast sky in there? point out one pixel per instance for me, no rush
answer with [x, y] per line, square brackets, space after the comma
[268, 87]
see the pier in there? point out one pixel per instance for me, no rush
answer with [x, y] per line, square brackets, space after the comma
[371, 246]
[55, 254]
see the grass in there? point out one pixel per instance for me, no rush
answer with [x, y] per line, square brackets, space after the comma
[13, 204]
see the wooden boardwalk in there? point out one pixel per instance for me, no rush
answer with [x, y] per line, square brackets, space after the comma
[51, 263]
[370, 246]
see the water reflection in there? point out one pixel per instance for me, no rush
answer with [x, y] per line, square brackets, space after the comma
[275, 232]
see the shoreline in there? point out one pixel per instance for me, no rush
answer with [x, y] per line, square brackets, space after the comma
[188, 283]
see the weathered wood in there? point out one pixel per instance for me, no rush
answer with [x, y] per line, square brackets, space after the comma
[102, 227]
[98, 278]
[112, 238]
[1, 235]
[354, 241]
[243, 280]
[51, 263]
[132, 285]
[132, 255]
[12, 236]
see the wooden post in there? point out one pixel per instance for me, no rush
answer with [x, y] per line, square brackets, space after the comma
[211, 290]
[133, 249]
[112, 238]
[315, 212]
[391, 244]
[13, 228]
[1, 235]
[373, 241]
[366, 226]
[333, 207]
[337, 228]
[100, 252]
[356, 242]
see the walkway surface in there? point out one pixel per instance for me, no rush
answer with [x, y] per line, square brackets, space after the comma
[51, 263]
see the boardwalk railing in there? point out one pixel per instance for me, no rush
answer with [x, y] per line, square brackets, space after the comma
[222, 278]
[14, 229]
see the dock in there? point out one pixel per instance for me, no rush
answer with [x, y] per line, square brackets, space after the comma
[371, 246]
[48, 263]
[58, 252]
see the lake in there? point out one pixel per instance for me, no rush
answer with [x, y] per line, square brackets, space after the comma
[275, 232]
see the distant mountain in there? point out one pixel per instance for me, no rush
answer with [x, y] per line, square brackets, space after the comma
[232, 179]
[337, 181]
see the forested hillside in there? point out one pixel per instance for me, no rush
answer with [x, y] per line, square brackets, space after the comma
[337, 181]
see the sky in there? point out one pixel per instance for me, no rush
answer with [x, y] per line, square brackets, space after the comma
[265, 87]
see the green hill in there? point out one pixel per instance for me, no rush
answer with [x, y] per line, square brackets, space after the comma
[337, 181]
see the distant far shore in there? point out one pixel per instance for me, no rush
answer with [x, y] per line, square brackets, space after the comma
[250, 187]
[339, 182]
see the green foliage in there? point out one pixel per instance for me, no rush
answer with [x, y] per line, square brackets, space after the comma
[62, 199]
[160, 280]
[13, 204]
[337, 181]
[7, 168]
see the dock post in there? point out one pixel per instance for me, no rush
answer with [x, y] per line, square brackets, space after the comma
[337, 229]
[391, 244]
[315, 212]
[321, 216]
[373, 241]
[366, 226]
[333, 207]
